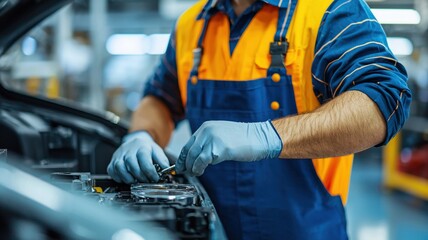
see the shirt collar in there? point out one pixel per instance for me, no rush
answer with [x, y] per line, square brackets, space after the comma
[211, 4]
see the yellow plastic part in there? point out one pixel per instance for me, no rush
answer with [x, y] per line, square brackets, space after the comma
[393, 178]
[52, 88]
[33, 85]
[98, 189]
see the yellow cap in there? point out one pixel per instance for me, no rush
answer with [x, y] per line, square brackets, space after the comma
[98, 189]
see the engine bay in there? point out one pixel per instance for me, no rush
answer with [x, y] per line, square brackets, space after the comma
[178, 202]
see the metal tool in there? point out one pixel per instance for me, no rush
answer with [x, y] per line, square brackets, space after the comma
[165, 174]
[167, 170]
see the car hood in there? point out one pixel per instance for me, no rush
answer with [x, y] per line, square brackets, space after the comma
[17, 17]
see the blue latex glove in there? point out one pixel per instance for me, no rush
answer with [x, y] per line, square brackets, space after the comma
[133, 160]
[218, 141]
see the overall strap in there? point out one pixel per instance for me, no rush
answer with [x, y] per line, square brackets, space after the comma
[278, 48]
[197, 52]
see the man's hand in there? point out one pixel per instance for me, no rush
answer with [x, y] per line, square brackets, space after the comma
[134, 159]
[218, 141]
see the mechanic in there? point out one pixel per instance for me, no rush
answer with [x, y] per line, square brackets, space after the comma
[279, 94]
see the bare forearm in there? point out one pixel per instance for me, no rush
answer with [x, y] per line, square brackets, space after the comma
[153, 116]
[347, 124]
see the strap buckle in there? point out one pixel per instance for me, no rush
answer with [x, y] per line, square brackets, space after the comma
[278, 52]
[197, 55]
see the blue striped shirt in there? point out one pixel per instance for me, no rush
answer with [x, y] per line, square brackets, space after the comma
[351, 53]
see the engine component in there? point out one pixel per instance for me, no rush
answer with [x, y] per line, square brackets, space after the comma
[184, 194]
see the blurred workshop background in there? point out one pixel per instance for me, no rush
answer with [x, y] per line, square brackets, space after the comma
[99, 54]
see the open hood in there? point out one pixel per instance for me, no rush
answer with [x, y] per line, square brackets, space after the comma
[50, 134]
[17, 17]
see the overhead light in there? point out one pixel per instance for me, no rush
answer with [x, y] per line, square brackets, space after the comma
[158, 43]
[137, 44]
[397, 16]
[128, 44]
[172, 9]
[29, 46]
[400, 46]
[379, 231]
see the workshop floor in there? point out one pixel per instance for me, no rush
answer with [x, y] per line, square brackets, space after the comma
[374, 212]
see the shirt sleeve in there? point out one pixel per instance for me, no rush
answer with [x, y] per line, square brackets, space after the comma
[352, 53]
[163, 83]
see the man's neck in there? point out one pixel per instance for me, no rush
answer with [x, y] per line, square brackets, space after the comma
[239, 6]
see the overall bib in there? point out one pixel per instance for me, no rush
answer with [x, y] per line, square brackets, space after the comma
[272, 198]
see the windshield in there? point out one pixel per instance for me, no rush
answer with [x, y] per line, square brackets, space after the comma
[93, 53]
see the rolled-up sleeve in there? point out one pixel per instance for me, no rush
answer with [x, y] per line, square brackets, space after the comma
[163, 83]
[352, 53]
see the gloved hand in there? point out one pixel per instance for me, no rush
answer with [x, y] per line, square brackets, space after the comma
[134, 159]
[217, 141]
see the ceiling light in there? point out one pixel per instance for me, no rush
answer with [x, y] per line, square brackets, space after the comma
[137, 44]
[158, 43]
[400, 46]
[397, 16]
[128, 44]
[29, 46]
